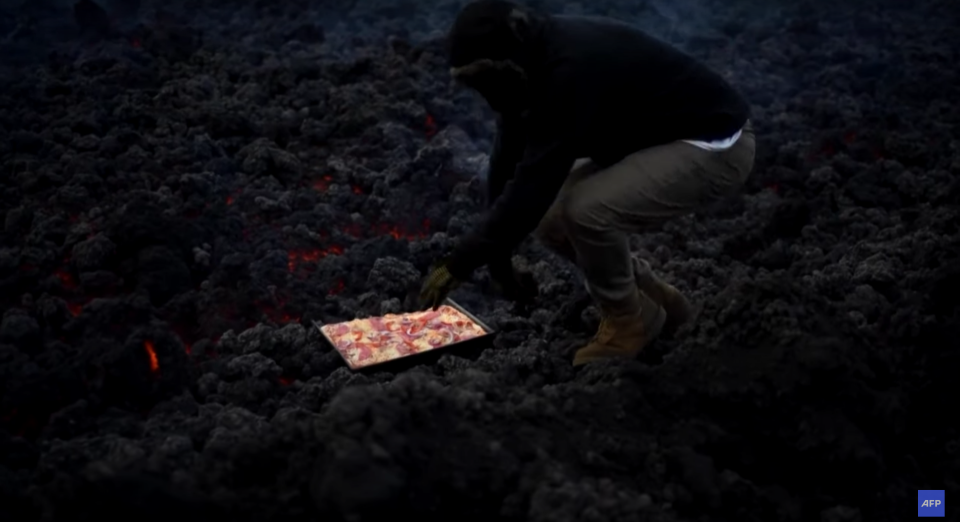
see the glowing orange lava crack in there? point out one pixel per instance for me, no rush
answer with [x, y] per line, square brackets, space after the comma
[295, 257]
[152, 355]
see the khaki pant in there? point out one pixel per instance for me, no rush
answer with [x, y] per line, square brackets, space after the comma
[597, 208]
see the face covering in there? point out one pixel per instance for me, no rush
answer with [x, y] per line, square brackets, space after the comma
[485, 41]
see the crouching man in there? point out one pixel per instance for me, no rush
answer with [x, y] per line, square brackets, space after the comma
[603, 131]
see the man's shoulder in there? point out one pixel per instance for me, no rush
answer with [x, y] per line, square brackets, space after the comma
[585, 50]
[602, 45]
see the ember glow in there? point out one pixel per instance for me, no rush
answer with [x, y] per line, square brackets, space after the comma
[74, 308]
[151, 356]
[322, 184]
[296, 257]
[398, 231]
[66, 279]
[232, 197]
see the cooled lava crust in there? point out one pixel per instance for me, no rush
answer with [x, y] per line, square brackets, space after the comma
[186, 187]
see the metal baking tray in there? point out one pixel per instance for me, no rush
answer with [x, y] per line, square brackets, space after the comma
[469, 348]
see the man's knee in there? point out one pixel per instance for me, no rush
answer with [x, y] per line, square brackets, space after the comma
[553, 230]
[584, 214]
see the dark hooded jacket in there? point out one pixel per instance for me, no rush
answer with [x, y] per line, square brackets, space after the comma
[597, 89]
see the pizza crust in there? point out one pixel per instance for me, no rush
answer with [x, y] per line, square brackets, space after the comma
[373, 340]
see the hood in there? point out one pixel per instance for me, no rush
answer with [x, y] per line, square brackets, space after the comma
[495, 30]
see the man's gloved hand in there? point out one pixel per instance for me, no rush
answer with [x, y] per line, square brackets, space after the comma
[437, 286]
[516, 285]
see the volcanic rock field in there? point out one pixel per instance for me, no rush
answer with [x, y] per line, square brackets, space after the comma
[188, 185]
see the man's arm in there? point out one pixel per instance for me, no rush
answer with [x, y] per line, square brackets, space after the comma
[517, 212]
[507, 151]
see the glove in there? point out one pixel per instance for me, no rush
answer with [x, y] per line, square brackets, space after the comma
[437, 286]
[516, 285]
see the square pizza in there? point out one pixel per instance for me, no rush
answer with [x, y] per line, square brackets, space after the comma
[374, 340]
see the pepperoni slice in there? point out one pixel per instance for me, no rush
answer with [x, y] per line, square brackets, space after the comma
[393, 325]
[376, 324]
[406, 348]
[363, 351]
[354, 355]
[414, 329]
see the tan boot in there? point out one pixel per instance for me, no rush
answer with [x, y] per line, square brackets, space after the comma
[678, 308]
[623, 336]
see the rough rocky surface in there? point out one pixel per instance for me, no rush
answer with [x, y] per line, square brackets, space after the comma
[187, 185]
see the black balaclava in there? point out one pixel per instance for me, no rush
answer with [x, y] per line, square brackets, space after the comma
[485, 46]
